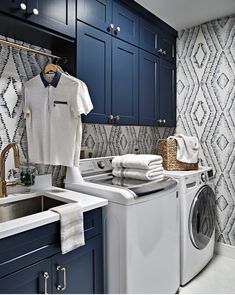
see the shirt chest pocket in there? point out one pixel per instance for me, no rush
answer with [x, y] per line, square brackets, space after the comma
[60, 103]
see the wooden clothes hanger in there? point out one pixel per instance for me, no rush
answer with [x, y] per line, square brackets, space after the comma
[52, 68]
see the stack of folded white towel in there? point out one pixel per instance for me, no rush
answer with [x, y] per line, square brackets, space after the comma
[141, 167]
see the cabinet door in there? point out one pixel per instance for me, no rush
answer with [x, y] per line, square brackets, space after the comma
[94, 68]
[167, 103]
[15, 7]
[149, 88]
[168, 45]
[79, 271]
[57, 15]
[29, 280]
[97, 13]
[126, 23]
[149, 36]
[125, 82]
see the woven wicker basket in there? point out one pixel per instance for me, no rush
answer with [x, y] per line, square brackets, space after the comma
[167, 148]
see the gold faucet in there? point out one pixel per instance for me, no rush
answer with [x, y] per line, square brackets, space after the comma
[3, 184]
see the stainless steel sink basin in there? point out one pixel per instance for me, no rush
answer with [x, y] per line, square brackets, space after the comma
[21, 208]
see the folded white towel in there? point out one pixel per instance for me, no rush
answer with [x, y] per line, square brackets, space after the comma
[136, 161]
[71, 226]
[187, 148]
[128, 182]
[141, 174]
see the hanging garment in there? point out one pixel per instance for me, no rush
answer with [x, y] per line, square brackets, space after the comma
[53, 108]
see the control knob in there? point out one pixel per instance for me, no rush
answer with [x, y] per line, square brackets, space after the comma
[101, 164]
[203, 177]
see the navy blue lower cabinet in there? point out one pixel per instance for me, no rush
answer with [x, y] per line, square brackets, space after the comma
[94, 68]
[148, 88]
[125, 68]
[34, 279]
[167, 101]
[79, 271]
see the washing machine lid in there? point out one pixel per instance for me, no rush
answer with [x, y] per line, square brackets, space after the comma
[202, 217]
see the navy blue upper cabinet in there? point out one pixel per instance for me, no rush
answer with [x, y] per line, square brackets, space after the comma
[94, 68]
[97, 13]
[126, 23]
[167, 101]
[148, 88]
[125, 82]
[56, 15]
[110, 16]
[149, 36]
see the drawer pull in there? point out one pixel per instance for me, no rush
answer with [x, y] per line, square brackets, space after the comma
[46, 277]
[60, 287]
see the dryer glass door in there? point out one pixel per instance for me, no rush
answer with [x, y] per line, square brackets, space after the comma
[202, 217]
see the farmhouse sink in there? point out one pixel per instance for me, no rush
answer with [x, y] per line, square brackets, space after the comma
[25, 207]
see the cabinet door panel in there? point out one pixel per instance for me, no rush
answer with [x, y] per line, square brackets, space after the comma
[168, 93]
[28, 280]
[148, 36]
[57, 15]
[94, 68]
[97, 13]
[149, 88]
[125, 82]
[128, 22]
[167, 44]
[84, 269]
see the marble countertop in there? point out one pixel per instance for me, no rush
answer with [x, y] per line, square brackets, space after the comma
[15, 226]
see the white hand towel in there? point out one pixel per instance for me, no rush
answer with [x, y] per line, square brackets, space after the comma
[136, 161]
[128, 182]
[138, 173]
[71, 226]
[187, 148]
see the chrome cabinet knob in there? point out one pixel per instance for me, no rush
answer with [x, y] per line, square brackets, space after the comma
[159, 121]
[164, 52]
[117, 118]
[117, 30]
[23, 6]
[164, 121]
[110, 27]
[35, 11]
[110, 117]
[160, 51]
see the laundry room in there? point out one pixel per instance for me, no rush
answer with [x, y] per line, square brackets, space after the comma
[117, 146]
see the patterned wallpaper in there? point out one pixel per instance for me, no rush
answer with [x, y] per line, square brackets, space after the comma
[16, 67]
[206, 108]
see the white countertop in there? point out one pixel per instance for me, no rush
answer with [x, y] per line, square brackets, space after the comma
[12, 227]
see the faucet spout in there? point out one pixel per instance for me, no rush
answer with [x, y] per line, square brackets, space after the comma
[3, 185]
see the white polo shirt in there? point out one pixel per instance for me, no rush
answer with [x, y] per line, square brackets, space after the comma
[53, 118]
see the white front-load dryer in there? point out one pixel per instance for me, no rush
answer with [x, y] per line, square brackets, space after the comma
[197, 220]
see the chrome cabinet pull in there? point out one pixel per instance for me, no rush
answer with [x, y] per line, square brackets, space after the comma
[118, 30]
[23, 6]
[110, 117]
[117, 118]
[110, 27]
[35, 11]
[60, 287]
[46, 277]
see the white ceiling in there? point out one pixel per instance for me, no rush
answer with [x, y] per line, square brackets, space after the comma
[181, 14]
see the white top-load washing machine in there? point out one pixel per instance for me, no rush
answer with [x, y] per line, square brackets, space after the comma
[140, 226]
[197, 220]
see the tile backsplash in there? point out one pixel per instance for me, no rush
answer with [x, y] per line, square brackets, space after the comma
[18, 66]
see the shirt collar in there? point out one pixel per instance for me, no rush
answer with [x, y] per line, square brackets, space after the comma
[54, 81]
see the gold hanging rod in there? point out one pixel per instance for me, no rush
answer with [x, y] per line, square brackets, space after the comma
[11, 44]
